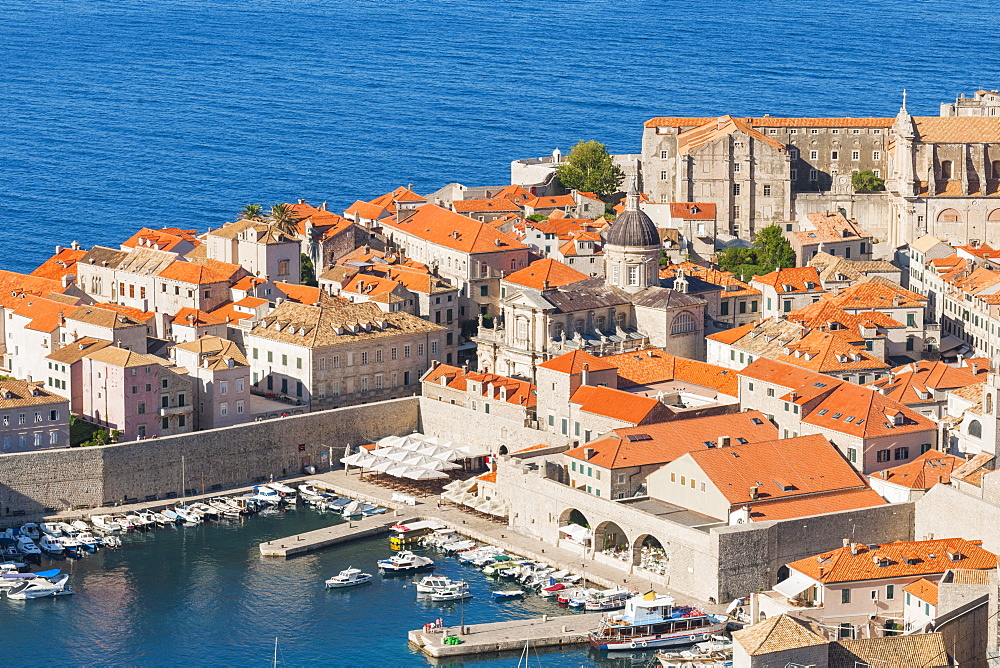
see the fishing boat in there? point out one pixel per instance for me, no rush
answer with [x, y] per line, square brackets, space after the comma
[111, 541]
[609, 599]
[428, 584]
[80, 525]
[50, 545]
[350, 577]
[40, 587]
[124, 522]
[405, 562]
[186, 516]
[499, 568]
[653, 622]
[458, 591]
[459, 546]
[310, 493]
[508, 594]
[171, 515]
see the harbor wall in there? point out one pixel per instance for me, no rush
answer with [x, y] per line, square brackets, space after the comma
[217, 459]
[464, 425]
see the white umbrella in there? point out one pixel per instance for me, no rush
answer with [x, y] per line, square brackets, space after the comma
[389, 441]
[398, 455]
[440, 452]
[384, 465]
[420, 461]
[423, 474]
[382, 452]
[442, 465]
[494, 507]
[473, 450]
[453, 486]
[398, 470]
[362, 459]
[469, 485]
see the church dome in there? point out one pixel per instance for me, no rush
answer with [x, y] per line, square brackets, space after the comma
[633, 227]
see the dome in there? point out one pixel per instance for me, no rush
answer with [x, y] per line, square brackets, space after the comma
[633, 228]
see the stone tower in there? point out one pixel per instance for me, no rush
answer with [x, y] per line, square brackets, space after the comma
[632, 248]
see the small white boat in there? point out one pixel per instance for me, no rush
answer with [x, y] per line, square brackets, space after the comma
[224, 509]
[350, 577]
[111, 541]
[40, 587]
[405, 562]
[50, 529]
[67, 529]
[311, 494]
[148, 518]
[186, 516]
[171, 515]
[610, 599]
[80, 525]
[10, 580]
[459, 546]
[124, 522]
[458, 591]
[163, 520]
[69, 543]
[88, 541]
[105, 523]
[50, 545]
[430, 583]
[287, 493]
[265, 494]
[31, 530]
[27, 546]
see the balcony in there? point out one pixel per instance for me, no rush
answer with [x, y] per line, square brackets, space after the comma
[176, 410]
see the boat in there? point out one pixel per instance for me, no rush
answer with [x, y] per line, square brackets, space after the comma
[499, 568]
[163, 520]
[507, 594]
[27, 546]
[287, 493]
[458, 591]
[310, 493]
[459, 546]
[124, 522]
[186, 516]
[609, 599]
[11, 580]
[67, 529]
[405, 562]
[224, 509]
[51, 529]
[105, 523]
[265, 494]
[552, 590]
[31, 530]
[406, 535]
[70, 544]
[141, 521]
[350, 577]
[50, 545]
[429, 583]
[80, 525]
[111, 541]
[87, 541]
[170, 514]
[39, 587]
[368, 509]
[653, 622]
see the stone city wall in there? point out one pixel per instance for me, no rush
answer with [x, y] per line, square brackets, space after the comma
[213, 459]
[469, 427]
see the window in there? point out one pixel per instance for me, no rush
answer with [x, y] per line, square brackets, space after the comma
[890, 592]
[282, 267]
[364, 357]
[165, 423]
[406, 351]
[224, 409]
[53, 438]
[855, 155]
[378, 382]
[633, 275]
[270, 356]
[420, 350]
[142, 431]
[736, 167]
[876, 155]
[255, 353]
[663, 175]
[239, 407]
[852, 455]
[767, 190]
[392, 353]
[793, 131]
[882, 456]
[813, 155]
[164, 402]
[902, 453]
[663, 155]
[813, 131]
[141, 408]
[224, 387]
[284, 360]
[683, 323]
[484, 291]
[834, 155]
[813, 174]
[298, 362]
[794, 175]
[736, 189]
[434, 350]
[845, 595]
[180, 399]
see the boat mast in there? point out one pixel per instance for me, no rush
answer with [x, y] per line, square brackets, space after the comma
[274, 663]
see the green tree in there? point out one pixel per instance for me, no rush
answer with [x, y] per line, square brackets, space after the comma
[770, 251]
[865, 181]
[252, 212]
[537, 217]
[589, 167]
[308, 271]
[284, 220]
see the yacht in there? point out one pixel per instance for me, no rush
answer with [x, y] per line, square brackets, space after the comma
[266, 495]
[39, 587]
[50, 545]
[12, 580]
[187, 516]
[88, 541]
[171, 515]
[429, 583]
[651, 622]
[405, 562]
[148, 518]
[27, 546]
[350, 577]
[458, 591]
[138, 521]
[50, 529]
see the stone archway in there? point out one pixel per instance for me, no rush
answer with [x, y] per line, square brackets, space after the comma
[503, 450]
[573, 516]
[575, 528]
[649, 554]
[949, 216]
[611, 539]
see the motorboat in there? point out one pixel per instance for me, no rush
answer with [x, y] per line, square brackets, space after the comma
[50, 529]
[186, 516]
[50, 545]
[459, 546]
[10, 580]
[368, 509]
[405, 535]
[265, 494]
[223, 508]
[552, 590]
[287, 493]
[124, 522]
[205, 510]
[148, 518]
[88, 541]
[405, 562]
[507, 594]
[499, 568]
[350, 577]
[138, 521]
[27, 546]
[80, 525]
[40, 587]
[111, 540]
[610, 599]
[311, 494]
[652, 622]
[105, 523]
[459, 591]
[12, 566]
[70, 544]
[575, 597]
[163, 520]
[31, 530]
[429, 583]
[171, 515]
[67, 529]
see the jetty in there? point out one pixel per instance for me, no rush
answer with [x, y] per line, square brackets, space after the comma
[321, 538]
[509, 636]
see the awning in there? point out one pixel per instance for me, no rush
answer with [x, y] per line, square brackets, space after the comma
[577, 532]
[794, 585]
[949, 343]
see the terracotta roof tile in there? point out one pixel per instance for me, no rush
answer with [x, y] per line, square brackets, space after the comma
[777, 122]
[60, 264]
[924, 472]
[876, 294]
[923, 589]
[799, 279]
[21, 393]
[917, 650]
[189, 272]
[778, 634]
[615, 404]
[646, 367]
[447, 228]
[484, 205]
[693, 210]
[547, 273]
[517, 392]
[572, 362]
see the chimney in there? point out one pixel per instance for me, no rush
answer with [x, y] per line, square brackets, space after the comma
[854, 549]
[465, 367]
[323, 206]
[847, 542]
[588, 453]
[59, 249]
[67, 280]
[585, 374]
[754, 495]
[75, 245]
[725, 441]
[302, 201]
[545, 284]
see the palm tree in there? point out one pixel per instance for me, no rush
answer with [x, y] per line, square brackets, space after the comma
[252, 212]
[283, 219]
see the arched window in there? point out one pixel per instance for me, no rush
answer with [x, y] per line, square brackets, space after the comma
[683, 324]
[994, 216]
[975, 429]
[949, 216]
[946, 169]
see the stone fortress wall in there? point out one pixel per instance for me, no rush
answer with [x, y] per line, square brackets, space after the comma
[52, 480]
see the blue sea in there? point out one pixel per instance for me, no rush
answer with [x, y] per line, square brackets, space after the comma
[120, 114]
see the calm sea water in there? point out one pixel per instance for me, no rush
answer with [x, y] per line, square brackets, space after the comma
[122, 113]
[203, 596]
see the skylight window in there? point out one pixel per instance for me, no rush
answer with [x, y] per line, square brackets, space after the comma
[849, 418]
[836, 416]
[756, 420]
[824, 411]
[741, 440]
[819, 384]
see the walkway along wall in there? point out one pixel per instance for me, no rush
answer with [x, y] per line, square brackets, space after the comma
[720, 563]
[215, 459]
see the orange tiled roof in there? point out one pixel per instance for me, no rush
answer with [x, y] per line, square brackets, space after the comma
[958, 129]
[547, 273]
[718, 128]
[787, 375]
[876, 294]
[190, 317]
[367, 210]
[693, 210]
[645, 367]
[514, 193]
[915, 383]
[488, 477]
[924, 472]
[15, 286]
[664, 442]
[229, 313]
[774, 122]
[134, 313]
[821, 504]
[862, 412]
[60, 264]
[400, 194]
[572, 363]
[798, 278]
[540, 446]
[826, 316]
[447, 228]
[914, 559]
[518, 392]
[166, 239]
[923, 589]
[830, 228]
[44, 315]
[614, 404]
[481, 205]
[550, 202]
[734, 287]
[189, 272]
[302, 294]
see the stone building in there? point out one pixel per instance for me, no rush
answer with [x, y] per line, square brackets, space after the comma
[221, 381]
[31, 417]
[507, 398]
[258, 247]
[335, 354]
[982, 103]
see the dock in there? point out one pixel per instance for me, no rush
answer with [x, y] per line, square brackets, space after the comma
[321, 538]
[509, 636]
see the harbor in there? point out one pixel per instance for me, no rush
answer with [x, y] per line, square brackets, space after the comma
[508, 636]
[325, 537]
